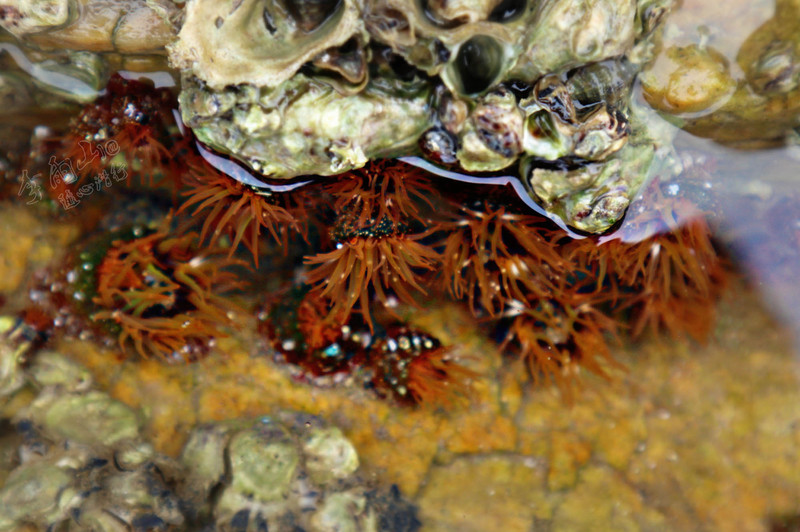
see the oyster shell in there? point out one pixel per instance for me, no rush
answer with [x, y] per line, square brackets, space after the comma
[471, 45]
[72, 76]
[305, 126]
[260, 42]
[570, 34]
[23, 17]
[126, 26]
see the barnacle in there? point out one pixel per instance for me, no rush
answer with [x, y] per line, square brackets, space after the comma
[592, 196]
[570, 34]
[291, 90]
[459, 41]
[162, 295]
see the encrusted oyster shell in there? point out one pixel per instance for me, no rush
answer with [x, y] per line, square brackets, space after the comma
[305, 126]
[484, 84]
[125, 26]
[260, 42]
[592, 196]
[21, 17]
[461, 41]
[573, 33]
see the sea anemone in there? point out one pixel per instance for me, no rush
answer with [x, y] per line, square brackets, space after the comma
[294, 320]
[162, 295]
[386, 259]
[414, 368]
[495, 257]
[234, 209]
[668, 281]
[131, 118]
[558, 339]
[380, 240]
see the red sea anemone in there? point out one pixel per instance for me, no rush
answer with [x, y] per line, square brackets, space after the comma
[414, 368]
[131, 120]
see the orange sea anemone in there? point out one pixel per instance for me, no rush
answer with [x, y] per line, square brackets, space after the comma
[557, 340]
[131, 119]
[295, 323]
[668, 281]
[383, 189]
[164, 297]
[380, 234]
[414, 368]
[495, 258]
[389, 264]
[235, 210]
[677, 278]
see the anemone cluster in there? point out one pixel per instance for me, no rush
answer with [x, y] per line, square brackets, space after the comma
[342, 256]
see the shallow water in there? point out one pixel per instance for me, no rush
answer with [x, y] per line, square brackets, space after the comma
[690, 436]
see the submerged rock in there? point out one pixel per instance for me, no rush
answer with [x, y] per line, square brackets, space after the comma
[84, 464]
[745, 97]
[285, 471]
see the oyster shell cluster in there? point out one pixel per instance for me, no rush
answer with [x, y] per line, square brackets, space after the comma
[295, 88]
[78, 461]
